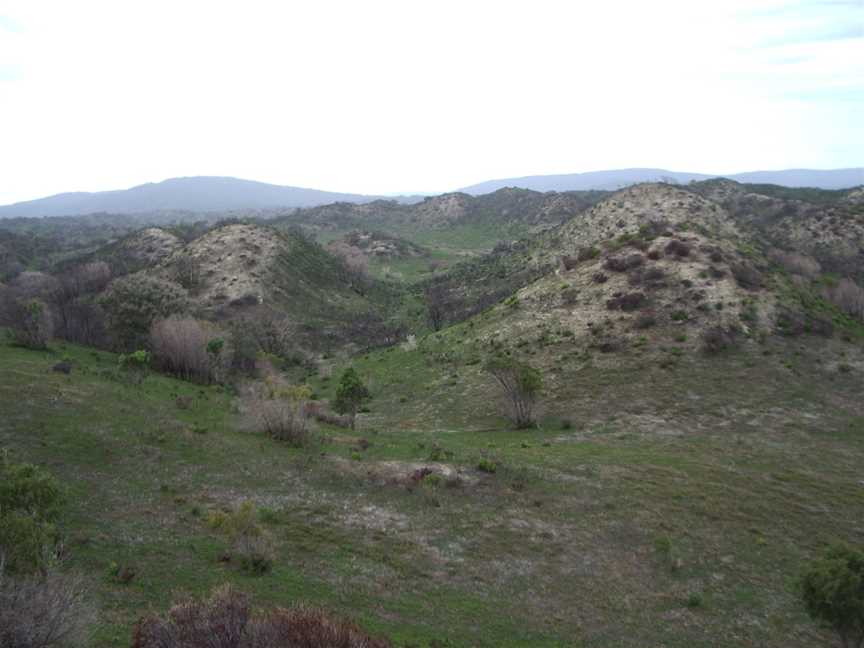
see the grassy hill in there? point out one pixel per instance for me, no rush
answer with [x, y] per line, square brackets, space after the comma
[652, 506]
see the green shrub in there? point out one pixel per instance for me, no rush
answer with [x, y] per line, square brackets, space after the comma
[487, 465]
[29, 505]
[832, 589]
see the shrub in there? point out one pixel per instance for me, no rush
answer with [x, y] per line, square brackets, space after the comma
[190, 349]
[848, 297]
[717, 339]
[521, 385]
[28, 320]
[832, 589]
[746, 275]
[251, 543]
[624, 263]
[587, 254]
[797, 263]
[599, 277]
[569, 296]
[132, 303]
[29, 504]
[186, 271]
[626, 302]
[487, 465]
[644, 321]
[282, 420]
[135, 365]
[568, 262]
[677, 248]
[226, 620]
[350, 395]
[49, 611]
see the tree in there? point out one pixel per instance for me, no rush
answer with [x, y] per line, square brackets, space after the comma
[134, 302]
[521, 384]
[833, 593]
[436, 307]
[29, 320]
[350, 394]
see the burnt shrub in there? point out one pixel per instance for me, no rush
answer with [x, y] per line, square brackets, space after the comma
[677, 248]
[791, 322]
[651, 277]
[627, 302]
[624, 263]
[226, 620]
[645, 320]
[848, 296]
[714, 253]
[819, 325]
[746, 275]
[716, 339]
[567, 262]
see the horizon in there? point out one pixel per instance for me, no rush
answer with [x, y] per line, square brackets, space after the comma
[397, 194]
[365, 100]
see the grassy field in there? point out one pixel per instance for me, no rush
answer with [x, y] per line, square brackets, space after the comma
[653, 507]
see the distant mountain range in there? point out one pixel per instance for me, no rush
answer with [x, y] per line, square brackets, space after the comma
[619, 178]
[209, 193]
[202, 193]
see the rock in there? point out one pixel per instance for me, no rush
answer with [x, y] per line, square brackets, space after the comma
[64, 367]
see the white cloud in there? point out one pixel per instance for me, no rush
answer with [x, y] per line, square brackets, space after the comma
[382, 96]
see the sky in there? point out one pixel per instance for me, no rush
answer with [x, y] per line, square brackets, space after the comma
[405, 96]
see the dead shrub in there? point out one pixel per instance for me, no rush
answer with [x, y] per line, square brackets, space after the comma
[677, 248]
[184, 347]
[282, 420]
[278, 409]
[624, 263]
[848, 296]
[654, 254]
[746, 275]
[49, 611]
[797, 263]
[627, 302]
[569, 262]
[226, 620]
[717, 339]
[645, 320]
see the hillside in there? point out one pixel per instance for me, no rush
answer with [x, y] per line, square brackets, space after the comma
[616, 179]
[194, 194]
[698, 436]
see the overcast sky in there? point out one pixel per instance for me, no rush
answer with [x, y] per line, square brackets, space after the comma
[385, 97]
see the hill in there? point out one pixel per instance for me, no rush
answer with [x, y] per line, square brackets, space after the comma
[195, 194]
[699, 432]
[618, 178]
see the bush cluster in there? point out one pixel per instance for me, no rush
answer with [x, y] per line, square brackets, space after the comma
[226, 620]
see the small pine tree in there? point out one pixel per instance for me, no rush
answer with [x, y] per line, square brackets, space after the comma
[833, 593]
[350, 394]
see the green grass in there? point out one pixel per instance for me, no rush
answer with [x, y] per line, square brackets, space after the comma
[677, 510]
